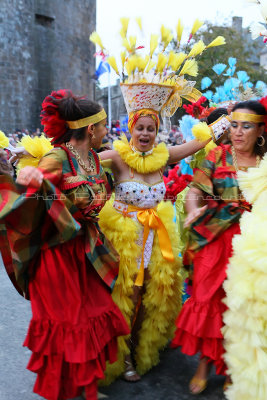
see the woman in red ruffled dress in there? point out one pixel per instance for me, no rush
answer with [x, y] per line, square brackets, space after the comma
[214, 205]
[58, 256]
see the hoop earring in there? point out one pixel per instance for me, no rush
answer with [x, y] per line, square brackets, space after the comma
[262, 143]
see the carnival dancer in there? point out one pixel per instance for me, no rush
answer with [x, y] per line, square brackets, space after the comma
[61, 260]
[213, 226]
[142, 230]
[245, 288]
[218, 122]
[139, 223]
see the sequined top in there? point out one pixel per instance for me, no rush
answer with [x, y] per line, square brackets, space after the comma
[140, 194]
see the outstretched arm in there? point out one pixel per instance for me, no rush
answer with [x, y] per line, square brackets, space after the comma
[181, 151]
[107, 155]
[112, 160]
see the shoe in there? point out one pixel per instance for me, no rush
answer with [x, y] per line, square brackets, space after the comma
[226, 385]
[201, 383]
[130, 374]
[101, 396]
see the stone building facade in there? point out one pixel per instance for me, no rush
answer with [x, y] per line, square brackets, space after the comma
[44, 46]
[118, 108]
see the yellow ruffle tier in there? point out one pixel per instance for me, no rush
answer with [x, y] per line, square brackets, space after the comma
[245, 321]
[162, 299]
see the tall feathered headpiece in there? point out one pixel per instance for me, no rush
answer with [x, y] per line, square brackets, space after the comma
[158, 82]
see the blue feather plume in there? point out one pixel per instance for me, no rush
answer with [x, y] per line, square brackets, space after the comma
[232, 61]
[186, 124]
[208, 94]
[219, 68]
[243, 76]
[205, 83]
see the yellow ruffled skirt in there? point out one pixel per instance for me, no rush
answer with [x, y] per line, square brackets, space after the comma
[162, 298]
[245, 320]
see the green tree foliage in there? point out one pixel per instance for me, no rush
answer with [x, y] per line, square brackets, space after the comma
[238, 44]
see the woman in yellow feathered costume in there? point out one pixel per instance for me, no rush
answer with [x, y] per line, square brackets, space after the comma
[140, 226]
[138, 223]
[245, 320]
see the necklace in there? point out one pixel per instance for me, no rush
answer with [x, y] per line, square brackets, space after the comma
[154, 161]
[141, 153]
[258, 159]
[79, 159]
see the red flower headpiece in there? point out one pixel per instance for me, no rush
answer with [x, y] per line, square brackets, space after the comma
[175, 183]
[206, 112]
[54, 125]
[195, 109]
[263, 101]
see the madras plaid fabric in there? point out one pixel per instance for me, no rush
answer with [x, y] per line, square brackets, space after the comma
[217, 179]
[34, 219]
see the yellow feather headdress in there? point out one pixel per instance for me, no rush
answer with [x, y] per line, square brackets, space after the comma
[157, 80]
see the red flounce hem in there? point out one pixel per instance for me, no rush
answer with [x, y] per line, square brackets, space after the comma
[200, 321]
[199, 331]
[68, 358]
[75, 323]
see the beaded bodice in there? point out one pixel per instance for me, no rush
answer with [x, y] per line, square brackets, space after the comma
[139, 193]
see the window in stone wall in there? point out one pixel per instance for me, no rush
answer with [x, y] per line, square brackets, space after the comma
[44, 20]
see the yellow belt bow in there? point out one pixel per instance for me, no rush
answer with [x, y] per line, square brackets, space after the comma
[149, 218]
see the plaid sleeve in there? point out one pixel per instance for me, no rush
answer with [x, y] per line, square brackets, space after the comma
[203, 175]
[51, 165]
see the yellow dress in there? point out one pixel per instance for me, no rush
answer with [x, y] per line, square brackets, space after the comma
[245, 320]
[162, 298]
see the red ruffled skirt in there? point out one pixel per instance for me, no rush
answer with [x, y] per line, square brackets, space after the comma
[200, 320]
[75, 323]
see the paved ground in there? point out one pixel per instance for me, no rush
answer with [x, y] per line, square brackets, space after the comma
[167, 381]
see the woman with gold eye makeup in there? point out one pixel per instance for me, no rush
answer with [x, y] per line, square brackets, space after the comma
[215, 204]
[245, 287]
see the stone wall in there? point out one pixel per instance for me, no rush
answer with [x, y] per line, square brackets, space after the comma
[117, 104]
[44, 46]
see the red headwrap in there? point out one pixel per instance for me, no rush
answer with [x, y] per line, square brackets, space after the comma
[135, 115]
[54, 125]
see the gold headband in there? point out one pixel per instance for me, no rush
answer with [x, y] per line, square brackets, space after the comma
[238, 116]
[81, 123]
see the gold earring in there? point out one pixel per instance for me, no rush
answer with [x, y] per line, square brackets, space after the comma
[262, 143]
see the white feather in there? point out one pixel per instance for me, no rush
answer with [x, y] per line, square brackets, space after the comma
[256, 30]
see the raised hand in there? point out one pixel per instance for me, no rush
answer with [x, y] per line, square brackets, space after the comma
[30, 176]
[193, 215]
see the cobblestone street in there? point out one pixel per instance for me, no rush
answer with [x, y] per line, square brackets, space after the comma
[168, 381]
